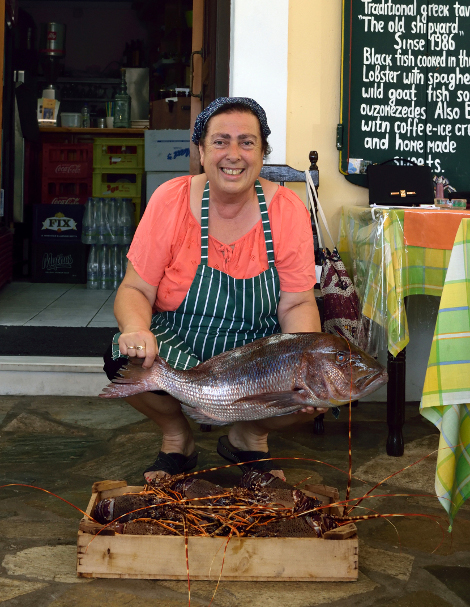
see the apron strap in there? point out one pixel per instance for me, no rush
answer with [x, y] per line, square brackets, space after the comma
[268, 239]
[205, 225]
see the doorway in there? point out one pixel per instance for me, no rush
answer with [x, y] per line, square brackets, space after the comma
[101, 37]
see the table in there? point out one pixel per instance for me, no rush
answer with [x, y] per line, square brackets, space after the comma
[446, 392]
[386, 269]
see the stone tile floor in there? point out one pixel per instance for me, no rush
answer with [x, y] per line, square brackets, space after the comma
[30, 304]
[65, 444]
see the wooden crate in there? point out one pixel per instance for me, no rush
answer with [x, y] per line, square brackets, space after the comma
[246, 559]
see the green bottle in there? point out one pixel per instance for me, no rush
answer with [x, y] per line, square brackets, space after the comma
[122, 105]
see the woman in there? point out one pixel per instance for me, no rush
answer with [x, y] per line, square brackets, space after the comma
[220, 259]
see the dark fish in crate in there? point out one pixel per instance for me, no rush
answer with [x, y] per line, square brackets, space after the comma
[127, 507]
[272, 376]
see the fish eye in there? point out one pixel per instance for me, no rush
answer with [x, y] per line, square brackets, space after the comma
[341, 357]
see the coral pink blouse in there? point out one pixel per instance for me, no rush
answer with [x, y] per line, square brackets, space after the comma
[166, 249]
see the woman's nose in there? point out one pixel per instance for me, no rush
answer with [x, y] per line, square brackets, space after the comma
[233, 151]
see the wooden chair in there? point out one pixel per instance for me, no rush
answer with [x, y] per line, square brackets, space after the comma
[283, 173]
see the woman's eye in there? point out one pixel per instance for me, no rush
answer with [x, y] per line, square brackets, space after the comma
[341, 357]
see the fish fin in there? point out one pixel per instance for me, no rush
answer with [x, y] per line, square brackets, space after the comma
[133, 379]
[200, 417]
[279, 400]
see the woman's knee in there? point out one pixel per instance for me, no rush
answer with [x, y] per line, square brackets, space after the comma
[163, 404]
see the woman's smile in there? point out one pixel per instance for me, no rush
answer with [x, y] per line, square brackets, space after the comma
[228, 171]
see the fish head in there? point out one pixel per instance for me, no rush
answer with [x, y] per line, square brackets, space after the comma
[345, 371]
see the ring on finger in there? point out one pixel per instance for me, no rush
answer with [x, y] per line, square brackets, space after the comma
[131, 347]
[140, 347]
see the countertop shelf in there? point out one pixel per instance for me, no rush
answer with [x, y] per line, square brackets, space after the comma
[65, 129]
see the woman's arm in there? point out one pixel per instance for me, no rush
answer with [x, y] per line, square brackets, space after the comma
[133, 311]
[298, 312]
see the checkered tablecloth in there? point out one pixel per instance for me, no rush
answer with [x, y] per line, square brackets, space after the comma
[446, 393]
[385, 270]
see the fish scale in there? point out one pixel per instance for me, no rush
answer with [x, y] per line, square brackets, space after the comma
[271, 376]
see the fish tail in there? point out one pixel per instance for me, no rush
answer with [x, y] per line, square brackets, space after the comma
[134, 379]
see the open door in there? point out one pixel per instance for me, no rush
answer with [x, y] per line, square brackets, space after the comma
[2, 44]
[209, 60]
[6, 235]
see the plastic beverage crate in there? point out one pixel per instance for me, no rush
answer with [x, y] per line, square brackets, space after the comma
[117, 184]
[118, 154]
[67, 161]
[65, 191]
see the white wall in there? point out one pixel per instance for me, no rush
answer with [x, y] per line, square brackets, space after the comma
[258, 62]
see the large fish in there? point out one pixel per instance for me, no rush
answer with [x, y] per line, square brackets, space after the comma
[272, 376]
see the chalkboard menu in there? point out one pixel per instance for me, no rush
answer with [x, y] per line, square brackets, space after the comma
[405, 86]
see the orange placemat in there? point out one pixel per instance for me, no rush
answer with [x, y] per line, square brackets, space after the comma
[432, 229]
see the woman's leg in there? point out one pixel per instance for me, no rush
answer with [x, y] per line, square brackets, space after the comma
[166, 412]
[253, 435]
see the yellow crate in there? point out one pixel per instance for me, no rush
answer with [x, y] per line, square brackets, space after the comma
[117, 184]
[115, 154]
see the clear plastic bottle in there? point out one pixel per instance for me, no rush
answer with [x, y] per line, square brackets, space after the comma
[104, 262]
[100, 214]
[89, 222]
[116, 266]
[85, 116]
[126, 221]
[112, 221]
[92, 268]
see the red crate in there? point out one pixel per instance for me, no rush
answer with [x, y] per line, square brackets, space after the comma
[66, 191]
[67, 161]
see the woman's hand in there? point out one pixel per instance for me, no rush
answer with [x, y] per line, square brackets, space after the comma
[138, 344]
[133, 311]
[313, 410]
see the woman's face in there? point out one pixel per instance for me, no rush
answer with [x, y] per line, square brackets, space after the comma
[232, 153]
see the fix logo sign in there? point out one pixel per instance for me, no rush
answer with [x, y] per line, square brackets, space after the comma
[59, 223]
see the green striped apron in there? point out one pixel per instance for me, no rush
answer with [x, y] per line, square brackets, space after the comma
[219, 312]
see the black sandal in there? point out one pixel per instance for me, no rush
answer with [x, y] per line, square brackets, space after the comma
[236, 456]
[173, 463]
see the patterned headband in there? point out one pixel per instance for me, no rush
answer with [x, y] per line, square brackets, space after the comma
[226, 102]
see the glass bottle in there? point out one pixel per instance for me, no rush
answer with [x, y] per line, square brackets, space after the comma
[112, 221]
[116, 266]
[100, 215]
[85, 116]
[92, 268]
[89, 223]
[122, 105]
[126, 221]
[104, 264]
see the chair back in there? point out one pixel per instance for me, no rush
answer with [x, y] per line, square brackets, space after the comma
[283, 173]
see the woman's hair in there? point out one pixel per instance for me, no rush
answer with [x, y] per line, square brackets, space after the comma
[237, 107]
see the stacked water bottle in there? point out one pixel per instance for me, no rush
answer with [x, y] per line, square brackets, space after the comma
[108, 226]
